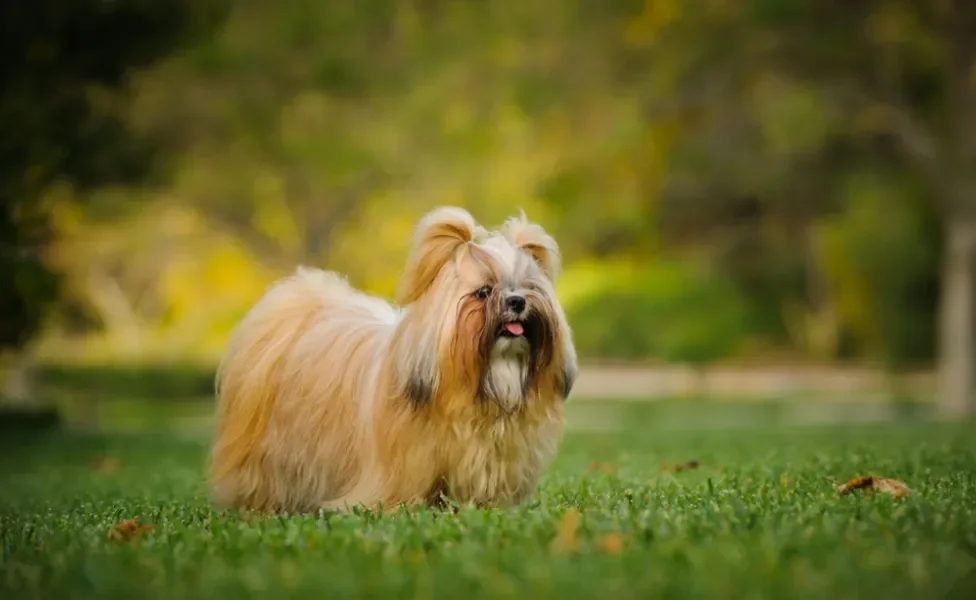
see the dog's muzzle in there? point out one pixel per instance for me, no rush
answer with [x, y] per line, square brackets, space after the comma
[513, 317]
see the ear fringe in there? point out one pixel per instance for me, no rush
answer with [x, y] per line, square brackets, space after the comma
[437, 237]
[532, 238]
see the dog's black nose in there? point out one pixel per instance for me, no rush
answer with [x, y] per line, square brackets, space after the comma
[515, 303]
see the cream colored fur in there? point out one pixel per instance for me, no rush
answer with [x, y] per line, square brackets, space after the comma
[329, 398]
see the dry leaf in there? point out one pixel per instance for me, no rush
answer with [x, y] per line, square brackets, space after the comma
[566, 539]
[677, 468]
[128, 529]
[107, 465]
[878, 484]
[892, 486]
[602, 466]
[858, 483]
[612, 543]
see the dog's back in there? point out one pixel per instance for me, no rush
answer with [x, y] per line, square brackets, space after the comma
[285, 376]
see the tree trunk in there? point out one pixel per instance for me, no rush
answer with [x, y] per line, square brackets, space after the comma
[958, 318]
[19, 389]
[22, 409]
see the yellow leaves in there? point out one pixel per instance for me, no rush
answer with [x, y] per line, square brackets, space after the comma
[567, 534]
[67, 217]
[679, 467]
[218, 278]
[457, 118]
[601, 467]
[227, 269]
[107, 465]
[567, 538]
[508, 51]
[587, 278]
[272, 215]
[643, 28]
[884, 485]
[611, 543]
[127, 530]
[390, 220]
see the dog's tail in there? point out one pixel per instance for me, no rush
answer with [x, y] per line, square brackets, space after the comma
[249, 376]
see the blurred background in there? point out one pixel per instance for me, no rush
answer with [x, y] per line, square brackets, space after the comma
[754, 198]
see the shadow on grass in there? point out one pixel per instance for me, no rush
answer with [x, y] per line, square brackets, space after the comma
[148, 382]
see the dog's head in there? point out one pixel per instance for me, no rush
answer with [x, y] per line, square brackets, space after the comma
[483, 313]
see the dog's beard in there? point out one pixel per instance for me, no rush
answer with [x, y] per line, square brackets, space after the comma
[515, 349]
[506, 377]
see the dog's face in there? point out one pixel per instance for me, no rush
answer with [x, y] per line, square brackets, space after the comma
[487, 299]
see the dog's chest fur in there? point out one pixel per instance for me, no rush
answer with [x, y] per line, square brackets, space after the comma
[498, 461]
[506, 381]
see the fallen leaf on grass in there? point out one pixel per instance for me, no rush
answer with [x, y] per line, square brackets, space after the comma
[128, 529]
[611, 543]
[107, 465]
[566, 540]
[602, 466]
[677, 468]
[878, 484]
[858, 483]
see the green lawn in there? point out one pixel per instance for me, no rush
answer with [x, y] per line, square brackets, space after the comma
[759, 518]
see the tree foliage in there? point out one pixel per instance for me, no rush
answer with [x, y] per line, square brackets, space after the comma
[800, 154]
[65, 66]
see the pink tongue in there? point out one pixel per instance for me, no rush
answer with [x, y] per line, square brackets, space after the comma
[514, 328]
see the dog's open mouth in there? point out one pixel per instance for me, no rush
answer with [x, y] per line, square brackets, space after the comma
[512, 329]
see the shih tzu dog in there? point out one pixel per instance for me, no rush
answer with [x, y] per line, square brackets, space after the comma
[329, 399]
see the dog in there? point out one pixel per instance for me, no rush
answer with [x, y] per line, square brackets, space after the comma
[330, 399]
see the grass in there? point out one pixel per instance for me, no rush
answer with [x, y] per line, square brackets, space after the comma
[758, 519]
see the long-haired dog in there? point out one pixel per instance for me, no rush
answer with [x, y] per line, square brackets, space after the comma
[330, 399]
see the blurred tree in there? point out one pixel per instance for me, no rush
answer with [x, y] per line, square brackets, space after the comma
[908, 69]
[318, 132]
[279, 153]
[793, 96]
[306, 113]
[65, 68]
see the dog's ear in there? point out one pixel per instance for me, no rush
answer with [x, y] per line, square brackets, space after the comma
[420, 384]
[533, 239]
[567, 379]
[414, 370]
[437, 238]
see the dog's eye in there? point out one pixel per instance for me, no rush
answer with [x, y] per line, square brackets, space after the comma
[483, 292]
